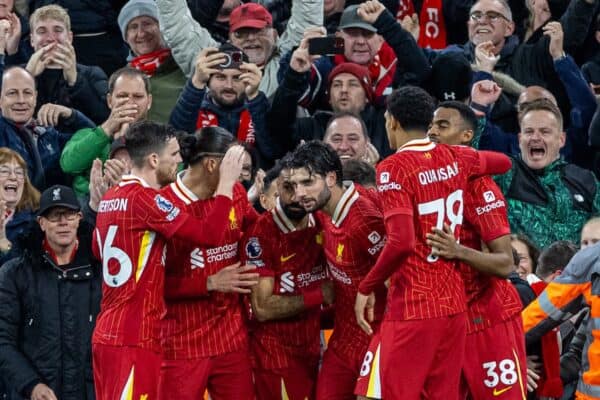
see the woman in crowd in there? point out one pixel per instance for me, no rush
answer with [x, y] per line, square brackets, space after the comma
[528, 256]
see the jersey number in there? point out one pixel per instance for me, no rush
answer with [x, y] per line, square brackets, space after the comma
[109, 252]
[365, 368]
[508, 373]
[444, 208]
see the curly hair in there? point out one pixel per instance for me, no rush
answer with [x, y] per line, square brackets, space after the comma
[318, 158]
[412, 107]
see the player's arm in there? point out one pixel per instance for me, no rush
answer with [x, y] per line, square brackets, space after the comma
[492, 163]
[496, 262]
[235, 278]
[268, 306]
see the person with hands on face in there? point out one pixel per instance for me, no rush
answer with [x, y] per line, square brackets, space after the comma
[224, 91]
[129, 100]
[60, 79]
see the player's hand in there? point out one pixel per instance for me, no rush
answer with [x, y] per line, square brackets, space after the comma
[42, 392]
[484, 56]
[328, 292]
[230, 170]
[534, 368]
[251, 76]
[50, 114]
[370, 10]
[257, 187]
[234, 278]
[365, 305]
[443, 243]
[97, 185]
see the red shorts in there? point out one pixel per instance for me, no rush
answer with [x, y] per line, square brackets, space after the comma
[423, 358]
[336, 379]
[123, 372]
[368, 383]
[227, 376]
[284, 384]
[495, 366]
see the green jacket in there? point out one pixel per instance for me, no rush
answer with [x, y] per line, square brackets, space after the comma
[80, 152]
[165, 86]
[551, 204]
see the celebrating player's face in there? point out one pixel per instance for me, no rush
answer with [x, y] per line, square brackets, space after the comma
[291, 207]
[167, 163]
[310, 189]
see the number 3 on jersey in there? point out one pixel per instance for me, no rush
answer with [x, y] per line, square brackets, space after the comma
[507, 370]
[109, 252]
[444, 208]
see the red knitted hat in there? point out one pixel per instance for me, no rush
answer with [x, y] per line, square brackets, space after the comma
[362, 73]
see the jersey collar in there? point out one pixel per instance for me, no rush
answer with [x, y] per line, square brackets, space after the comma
[132, 179]
[182, 191]
[284, 224]
[417, 145]
[343, 206]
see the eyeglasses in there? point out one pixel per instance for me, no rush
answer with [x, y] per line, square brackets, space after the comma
[55, 216]
[243, 33]
[492, 16]
[5, 172]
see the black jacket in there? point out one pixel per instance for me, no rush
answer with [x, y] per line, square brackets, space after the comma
[47, 315]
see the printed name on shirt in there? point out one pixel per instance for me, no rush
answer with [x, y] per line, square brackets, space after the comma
[439, 174]
[112, 205]
[384, 179]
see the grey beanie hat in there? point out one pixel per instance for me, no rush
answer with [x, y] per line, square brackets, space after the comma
[134, 9]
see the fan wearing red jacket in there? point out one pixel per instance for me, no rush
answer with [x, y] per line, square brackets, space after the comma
[285, 246]
[353, 236]
[204, 335]
[495, 363]
[421, 187]
[133, 225]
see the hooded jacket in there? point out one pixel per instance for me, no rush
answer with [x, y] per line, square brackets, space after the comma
[47, 315]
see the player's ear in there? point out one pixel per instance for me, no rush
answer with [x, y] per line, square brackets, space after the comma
[153, 160]
[331, 179]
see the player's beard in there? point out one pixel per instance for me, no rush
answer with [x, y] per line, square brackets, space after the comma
[321, 200]
[294, 211]
[165, 177]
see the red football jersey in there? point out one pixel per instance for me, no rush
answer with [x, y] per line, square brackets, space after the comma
[198, 327]
[352, 238]
[295, 259]
[133, 222]
[427, 182]
[490, 300]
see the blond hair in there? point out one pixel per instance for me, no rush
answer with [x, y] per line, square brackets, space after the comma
[30, 199]
[51, 11]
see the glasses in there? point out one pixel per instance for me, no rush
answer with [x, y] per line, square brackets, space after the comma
[55, 216]
[492, 16]
[5, 172]
[243, 33]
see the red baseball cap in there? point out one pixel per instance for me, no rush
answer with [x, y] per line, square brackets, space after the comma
[249, 15]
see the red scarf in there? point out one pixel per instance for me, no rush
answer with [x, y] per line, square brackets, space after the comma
[432, 29]
[149, 63]
[245, 131]
[382, 68]
[52, 254]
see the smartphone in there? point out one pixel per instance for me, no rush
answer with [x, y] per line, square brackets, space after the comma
[326, 46]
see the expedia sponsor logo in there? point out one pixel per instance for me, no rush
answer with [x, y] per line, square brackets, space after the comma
[339, 275]
[389, 186]
[378, 246]
[489, 207]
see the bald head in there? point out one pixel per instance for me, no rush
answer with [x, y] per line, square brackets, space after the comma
[590, 233]
[532, 93]
[18, 95]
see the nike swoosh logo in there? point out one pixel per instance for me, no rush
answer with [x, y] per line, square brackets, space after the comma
[499, 392]
[286, 258]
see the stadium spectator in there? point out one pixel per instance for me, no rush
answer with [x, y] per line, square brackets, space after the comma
[96, 36]
[549, 199]
[138, 21]
[347, 134]
[214, 16]
[591, 69]
[590, 233]
[250, 29]
[129, 100]
[527, 253]
[60, 79]
[37, 141]
[224, 91]
[361, 173]
[18, 201]
[553, 259]
[268, 195]
[14, 35]
[49, 300]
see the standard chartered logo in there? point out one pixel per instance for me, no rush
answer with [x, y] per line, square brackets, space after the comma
[287, 283]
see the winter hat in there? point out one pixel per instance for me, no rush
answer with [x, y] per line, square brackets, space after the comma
[451, 77]
[362, 73]
[134, 9]
[350, 19]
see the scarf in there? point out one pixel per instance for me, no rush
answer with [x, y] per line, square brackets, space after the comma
[52, 254]
[432, 29]
[149, 63]
[245, 131]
